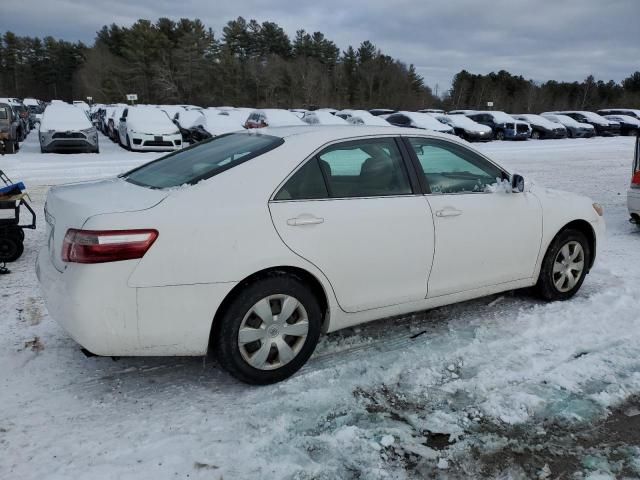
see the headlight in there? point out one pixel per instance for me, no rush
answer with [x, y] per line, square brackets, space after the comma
[599, 209]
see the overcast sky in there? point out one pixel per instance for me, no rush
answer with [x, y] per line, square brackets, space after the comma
[539, 39]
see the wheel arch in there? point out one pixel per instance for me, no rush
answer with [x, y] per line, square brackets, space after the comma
[305, 276]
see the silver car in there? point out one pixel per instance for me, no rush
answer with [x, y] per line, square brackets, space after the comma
[65, 127]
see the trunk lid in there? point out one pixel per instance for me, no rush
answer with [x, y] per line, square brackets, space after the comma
[70, 206]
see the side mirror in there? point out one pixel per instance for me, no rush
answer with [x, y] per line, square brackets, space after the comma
[517, 183]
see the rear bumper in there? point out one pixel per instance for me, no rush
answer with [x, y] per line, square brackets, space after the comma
[478, 136]
[97, 308]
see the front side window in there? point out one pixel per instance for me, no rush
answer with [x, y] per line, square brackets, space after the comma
[203, 160]
[449, 168]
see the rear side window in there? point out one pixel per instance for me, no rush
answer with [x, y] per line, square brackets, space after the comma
[4, 114]
[360, 168]
[203, 160]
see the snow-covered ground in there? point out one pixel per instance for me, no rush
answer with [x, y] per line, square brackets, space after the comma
[500, 387]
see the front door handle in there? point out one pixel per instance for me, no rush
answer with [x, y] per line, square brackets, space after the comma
[448, 212]
[304, 220]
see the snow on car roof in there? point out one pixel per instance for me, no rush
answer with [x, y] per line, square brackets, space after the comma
[566, 120]
[424, 120]
[591, 116]
[217, 123]
[462, 121]
[62, 117]
[497, 115]
[536, 119]
[277, 117]
[323, 118]
[623, 118]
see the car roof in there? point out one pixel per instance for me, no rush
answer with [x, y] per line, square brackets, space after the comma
[327, 133]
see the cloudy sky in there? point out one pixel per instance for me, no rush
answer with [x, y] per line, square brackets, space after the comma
[539, 39]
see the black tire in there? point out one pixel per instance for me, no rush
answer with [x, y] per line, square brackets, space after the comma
[546, 287]
[535, 135]
[499, 135]
[10, 147]
[633, 132]
[225, 336]
[128, 143]
[11, 248]
[12, 231]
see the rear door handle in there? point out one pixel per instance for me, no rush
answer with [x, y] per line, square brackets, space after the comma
[304, 220]
[448, 212]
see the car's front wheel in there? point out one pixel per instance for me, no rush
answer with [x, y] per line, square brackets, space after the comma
[565, 266]
[269, 330]
[499, 135]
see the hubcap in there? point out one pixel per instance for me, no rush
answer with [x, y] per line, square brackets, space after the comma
[568, 266]
[273, 332]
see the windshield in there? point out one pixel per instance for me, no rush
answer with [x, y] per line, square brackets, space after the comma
[202, 161]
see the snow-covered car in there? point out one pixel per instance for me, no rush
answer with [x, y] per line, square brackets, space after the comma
[417, 120]
[148, 128]
[633, 194]
[272, 117]
[381, 111]
[22, 115]
[574, 128]
[461, 112]
[35, 110]
[504, 126]
[187, 121]
[252, 244]
[602, 126]
[431, 110]
[362, 117]
[628, 125]
[465, 128]
[65, 127]
[318, 117]
[542, 127]
[9, 125]
[113, 121]
[214, 123]
[632, 112]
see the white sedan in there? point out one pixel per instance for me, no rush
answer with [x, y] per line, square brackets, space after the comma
[253, 244]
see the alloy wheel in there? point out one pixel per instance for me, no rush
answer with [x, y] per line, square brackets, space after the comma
[273, 332]
[568, 266]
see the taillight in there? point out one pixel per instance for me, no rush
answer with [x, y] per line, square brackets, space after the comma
[635, 179]
[100, 246]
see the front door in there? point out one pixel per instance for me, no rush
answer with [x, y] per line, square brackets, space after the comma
[485, 234]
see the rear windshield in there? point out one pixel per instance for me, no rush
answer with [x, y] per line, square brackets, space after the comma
[203, 160]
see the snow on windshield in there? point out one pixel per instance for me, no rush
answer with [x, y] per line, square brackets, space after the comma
[62, 116]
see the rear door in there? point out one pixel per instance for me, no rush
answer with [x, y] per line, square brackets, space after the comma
[485, 235]
[355, 211]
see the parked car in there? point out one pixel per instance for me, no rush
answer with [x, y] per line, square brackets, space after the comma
[148, 128]
[113, 121]
[381, 111]
[215, 123]
[542, 127]
[272, 117]
[431, 110]
[461, 112]
[602, 126]
[9, 125]
[628, 125]
[633, 194]
[187, 121]
[67, 128]
[244, 246]
[574, 128]
[417, 120]
[21, 113]
[620, 111]
[466, 128]
[35, 111]
[362, 117]
[318, 117]
[504, 126]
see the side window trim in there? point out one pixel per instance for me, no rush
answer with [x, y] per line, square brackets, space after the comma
[423, 178]
[415, 179]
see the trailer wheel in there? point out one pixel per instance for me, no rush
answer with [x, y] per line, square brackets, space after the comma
[10, 249]
[12, 231]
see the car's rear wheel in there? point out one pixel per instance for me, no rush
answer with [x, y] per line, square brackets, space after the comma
[269, 330]
[633, 132]
[499, 135]
[565, 266]
[535, 135]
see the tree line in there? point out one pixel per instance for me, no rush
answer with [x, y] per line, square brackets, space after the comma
[258, 64]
